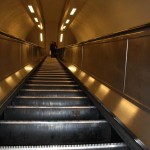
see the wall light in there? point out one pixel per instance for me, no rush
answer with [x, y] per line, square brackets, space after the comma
[40, 26]
[73, 11]
[31, 8]
[41, 37]
[61, 37]
[67, 21]
[36, 19]
[64, 27]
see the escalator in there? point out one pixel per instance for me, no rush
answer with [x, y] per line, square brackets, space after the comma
[51, 111]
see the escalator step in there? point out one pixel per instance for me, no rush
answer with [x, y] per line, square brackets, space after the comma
[51, 75]
[51, 87]
[45, 101]
[50, 79]
[59, 132]
[108, 146]
[51, 82]
[50, 93]
[51, 113]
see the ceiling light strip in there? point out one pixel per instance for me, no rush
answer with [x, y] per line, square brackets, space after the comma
[31, 8]
[73, 11]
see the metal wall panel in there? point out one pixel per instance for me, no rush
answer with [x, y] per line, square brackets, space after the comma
[26, 54]
[77, 55]
[106, 61]
[9, 57]
[138, 70]
[68, 55]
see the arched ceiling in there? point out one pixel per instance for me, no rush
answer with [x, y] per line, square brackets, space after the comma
[52, 10]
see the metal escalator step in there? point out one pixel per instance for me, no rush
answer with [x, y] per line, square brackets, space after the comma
[51, 73]
[51, 93]
[108, 146]
[59, 132]
[50, 79]
[50, 82]
[47, 101]
[50, 87]
[52, 76]
[51, 113]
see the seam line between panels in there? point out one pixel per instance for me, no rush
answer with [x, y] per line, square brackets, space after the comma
[126, 61]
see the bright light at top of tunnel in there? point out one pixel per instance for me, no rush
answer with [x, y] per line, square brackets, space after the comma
[73, 11]
[61, 37]
[67, 21]
[31, 8]
[36, 19]
[41, 37]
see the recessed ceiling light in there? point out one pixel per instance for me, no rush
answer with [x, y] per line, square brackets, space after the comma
[62, 27]
[73, 11]
[36, 19]
[61, 37]
[67, 21]
[41, 26]
[41, 37]
[31, 8]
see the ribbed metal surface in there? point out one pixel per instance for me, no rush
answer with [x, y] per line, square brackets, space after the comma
[52, 109]
[49, 101]
[51, 113]
[108, 146]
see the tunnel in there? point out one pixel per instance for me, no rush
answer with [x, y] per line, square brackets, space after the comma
[90, 91]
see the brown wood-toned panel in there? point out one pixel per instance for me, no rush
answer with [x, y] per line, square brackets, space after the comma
[68, 55]
[77, 55]
[106, 61]
[26, 54]
[138, 70]
[9, 57]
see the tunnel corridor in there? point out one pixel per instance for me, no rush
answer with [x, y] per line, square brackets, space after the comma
[93, 93]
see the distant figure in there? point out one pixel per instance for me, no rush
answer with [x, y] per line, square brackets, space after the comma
[53, 48]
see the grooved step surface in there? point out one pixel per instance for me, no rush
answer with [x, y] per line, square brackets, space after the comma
[51, 93]
[108, 146]
[51, 113]
[45, 133]
[50, 87]
[47, 101]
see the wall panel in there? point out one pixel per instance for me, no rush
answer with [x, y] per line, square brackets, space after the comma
[26, 54]
[77, 55]
[68, 55]
[138, 70]
[106, 61]
[9, 56]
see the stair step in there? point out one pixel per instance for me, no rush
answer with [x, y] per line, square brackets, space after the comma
[51, 82]
[47, 101]
[51, 93]
[51, 87]
[50, 79]
[51, 113]
[49, 75]
[107, 146]
[59, 132]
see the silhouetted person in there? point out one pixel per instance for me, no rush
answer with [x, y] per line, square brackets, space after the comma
[53, 48]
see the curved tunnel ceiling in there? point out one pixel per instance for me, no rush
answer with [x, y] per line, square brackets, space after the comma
[94, 18]
[14, 19]
[101, 17]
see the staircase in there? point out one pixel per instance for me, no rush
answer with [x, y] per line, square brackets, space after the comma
[51, 111]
